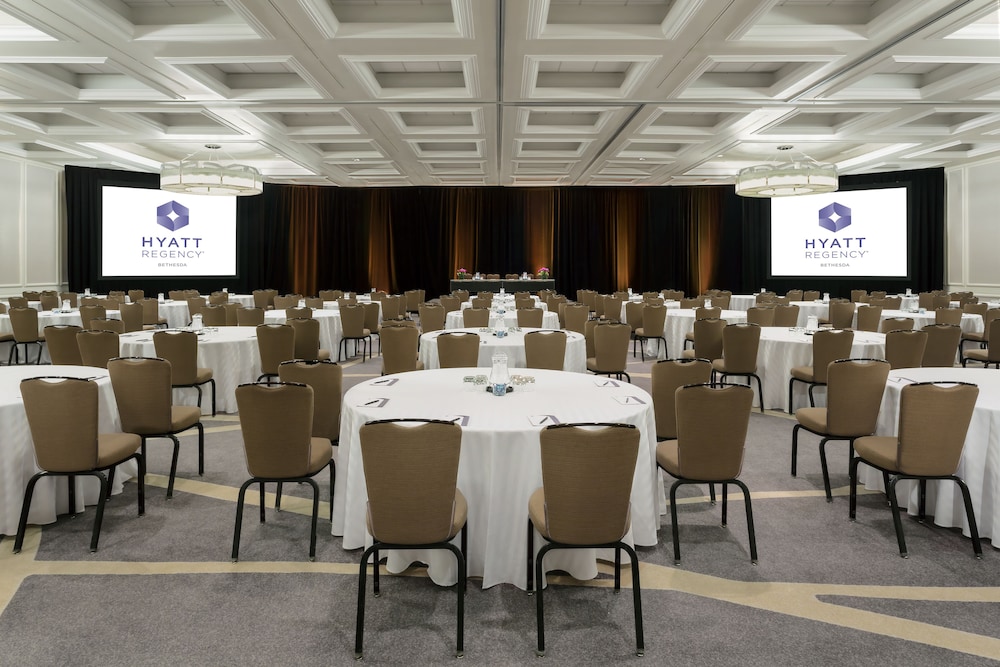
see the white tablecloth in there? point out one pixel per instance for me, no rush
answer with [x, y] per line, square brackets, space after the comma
[17, 457]
[455, 320]
[500, 465]
[231, 353]
[330, 329]
[175, 313]
[980, 462]
[782, 349]
[679, 322]
[742, 301]
[512, 345]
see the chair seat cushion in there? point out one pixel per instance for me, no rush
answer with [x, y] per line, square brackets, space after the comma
[879, 450]
[592, 364]
[666, 457]
[804, 373]
[689, 336]
[323, 354]
[203, 375]
[688, 354]
[420, 365]
[719, 365]
[972, 335]
[813, 419]
[978, 355]
[113, 448]
[320, 453]
[184, 417]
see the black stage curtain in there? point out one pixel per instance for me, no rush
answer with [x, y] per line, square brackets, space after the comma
[306, 238]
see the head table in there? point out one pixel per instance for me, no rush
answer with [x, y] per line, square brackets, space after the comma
[17, 456]
[500, 465]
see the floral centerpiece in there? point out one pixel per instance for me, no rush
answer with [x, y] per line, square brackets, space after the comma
[463, 274]
[543, 273]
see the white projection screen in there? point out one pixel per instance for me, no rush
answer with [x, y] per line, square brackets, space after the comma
[851, 233]
[157, 234]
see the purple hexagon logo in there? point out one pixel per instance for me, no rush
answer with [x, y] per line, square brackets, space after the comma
[172, 215]
[835, 217]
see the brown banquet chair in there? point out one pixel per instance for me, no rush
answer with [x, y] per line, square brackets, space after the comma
[942, 345]
[61, 341]
[307, 339]
[584, 502]
[610, 351]
[142, 389]
[653, 319]
[526, 317]
[545, 349]
[411, 478]
[712, 425]
[97, 347]
[71, 444]
[828, 345]
[989, 356]
[475, 317]
[458, 349]
[275, 343]
[352, 321]
[276, 420]
[432, 317]
[933, 423]
[740, 343]
[24, 323]
[854, 397]
[399, 349]
[327, 380]
[180, 348]
[905, 348]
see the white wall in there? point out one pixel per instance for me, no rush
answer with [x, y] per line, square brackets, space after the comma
[32, 227]
[972, 261]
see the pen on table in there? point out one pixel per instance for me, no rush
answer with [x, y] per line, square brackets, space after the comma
[373, 402]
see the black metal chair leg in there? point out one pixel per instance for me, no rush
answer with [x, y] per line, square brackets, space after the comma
[750, 529]
[896, 521]
[826, 471]
[673, 521]
[977, 546]
[239, 519]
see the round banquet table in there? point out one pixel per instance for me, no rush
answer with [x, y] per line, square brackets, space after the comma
[979, 466]
[231, 353]
[512, 345]
[455, 319]
[17, 456]
[500, 465]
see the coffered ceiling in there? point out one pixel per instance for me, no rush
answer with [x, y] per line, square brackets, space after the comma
[501, 92]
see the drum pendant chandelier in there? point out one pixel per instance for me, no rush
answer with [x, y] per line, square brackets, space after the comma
[786, 179]
[210, 177]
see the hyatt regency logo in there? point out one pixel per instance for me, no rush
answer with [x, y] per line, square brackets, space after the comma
[833, 217]
[172, 215]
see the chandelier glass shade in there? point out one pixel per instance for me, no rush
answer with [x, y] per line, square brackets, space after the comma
[209, 177]
[799, 177]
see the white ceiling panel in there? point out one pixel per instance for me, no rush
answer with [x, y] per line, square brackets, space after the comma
[358, 93]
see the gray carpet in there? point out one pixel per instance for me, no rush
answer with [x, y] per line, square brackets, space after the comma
[162, 590]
